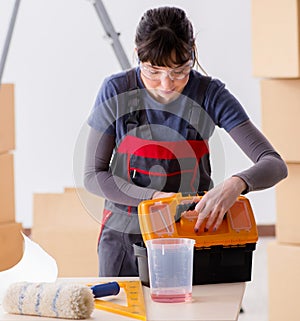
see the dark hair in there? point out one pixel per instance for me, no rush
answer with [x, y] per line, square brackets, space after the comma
[165, 37]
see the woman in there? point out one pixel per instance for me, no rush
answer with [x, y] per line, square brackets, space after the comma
[150, 128]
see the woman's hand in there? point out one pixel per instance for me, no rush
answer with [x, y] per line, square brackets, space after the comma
[162, 195]
[216, 202]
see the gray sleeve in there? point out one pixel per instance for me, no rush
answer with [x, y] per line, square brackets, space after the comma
[269, 168]
[99, 180]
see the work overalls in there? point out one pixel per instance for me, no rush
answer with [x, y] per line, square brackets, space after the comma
[146, 157]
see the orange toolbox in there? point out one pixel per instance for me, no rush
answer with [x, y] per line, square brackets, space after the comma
[220, 256]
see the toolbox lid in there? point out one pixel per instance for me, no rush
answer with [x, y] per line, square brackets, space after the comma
[174, 217]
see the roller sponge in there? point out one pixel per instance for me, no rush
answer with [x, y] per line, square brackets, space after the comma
[60, 300]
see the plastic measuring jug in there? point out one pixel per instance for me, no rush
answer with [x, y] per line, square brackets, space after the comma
[170, 262]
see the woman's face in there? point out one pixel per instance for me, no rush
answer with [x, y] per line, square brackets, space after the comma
[163, 83]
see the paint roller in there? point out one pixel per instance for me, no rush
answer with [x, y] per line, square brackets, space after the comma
[59, 300]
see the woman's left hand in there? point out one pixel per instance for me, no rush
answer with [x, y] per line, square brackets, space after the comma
[216, 202]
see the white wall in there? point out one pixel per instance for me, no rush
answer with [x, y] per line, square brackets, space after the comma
[59, 56]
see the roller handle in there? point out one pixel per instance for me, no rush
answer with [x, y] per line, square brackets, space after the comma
[106, 289]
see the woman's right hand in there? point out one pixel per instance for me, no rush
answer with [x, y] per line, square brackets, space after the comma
[159, 194]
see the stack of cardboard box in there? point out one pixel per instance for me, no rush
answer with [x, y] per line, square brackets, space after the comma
[276, 59]
[11, 240]
[66, 225]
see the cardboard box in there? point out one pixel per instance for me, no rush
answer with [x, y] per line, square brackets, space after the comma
[7, 197]
[67, 226]
[288, 212]
[75, 251]
[7, 118]
[11, 245]
[75, 208]
[280, 104]
[283, 281]
[275, 38]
